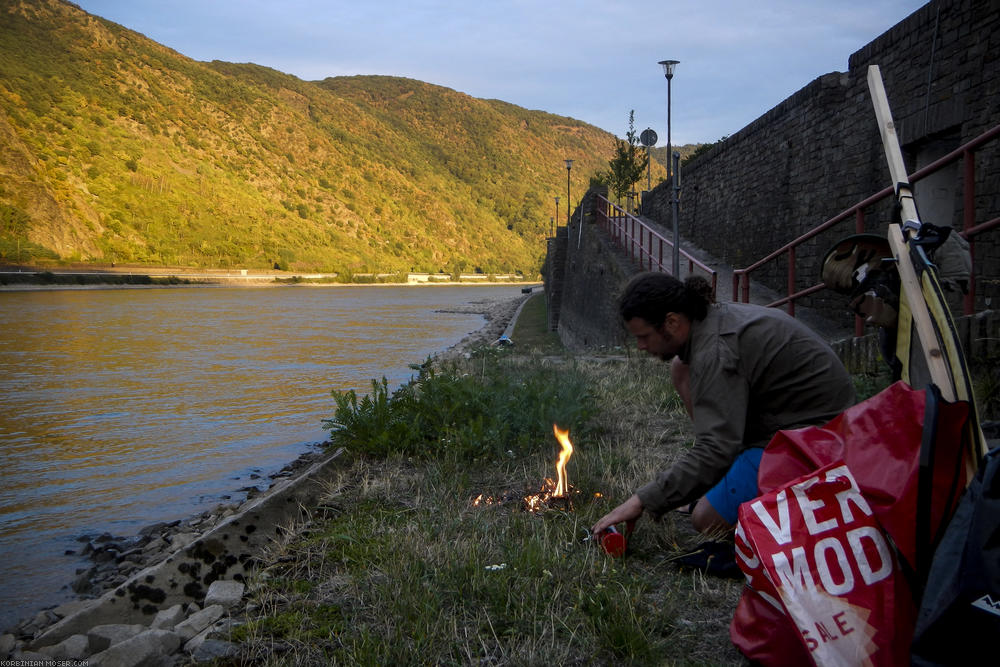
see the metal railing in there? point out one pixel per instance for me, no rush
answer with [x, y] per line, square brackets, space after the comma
[642, 243]
[966, 152]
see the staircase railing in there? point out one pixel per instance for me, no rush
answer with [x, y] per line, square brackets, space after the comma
[970, 230]
[643, 244]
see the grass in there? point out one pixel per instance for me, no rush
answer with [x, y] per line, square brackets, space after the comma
[531, 332]
[49, 278]
[399, 566]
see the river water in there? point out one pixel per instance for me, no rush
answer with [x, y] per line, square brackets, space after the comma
[122, 408]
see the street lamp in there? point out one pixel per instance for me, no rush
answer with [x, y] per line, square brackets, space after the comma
[668, 71]
[569, 165]
[557, 208]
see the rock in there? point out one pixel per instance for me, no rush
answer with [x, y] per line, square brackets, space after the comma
[154, 529]
[30, 657]
[147, 648]
[82, 583]
[212, 649]
[70, 608]
[167, 619]
[27, 629]
[134, 555]
[105, 555]
[181, 540]
[75, 647]
[102, 637]
[155, 546]
[7, 644]
[192, 644]
[199, 621]
[224, 592]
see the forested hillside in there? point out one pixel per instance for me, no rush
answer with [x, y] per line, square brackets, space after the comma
[118, 149]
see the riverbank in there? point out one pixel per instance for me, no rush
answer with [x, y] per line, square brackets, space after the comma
[32, 278]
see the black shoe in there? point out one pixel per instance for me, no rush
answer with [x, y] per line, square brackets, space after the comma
[717, 558]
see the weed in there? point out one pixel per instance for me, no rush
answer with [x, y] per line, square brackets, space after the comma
[454, 414]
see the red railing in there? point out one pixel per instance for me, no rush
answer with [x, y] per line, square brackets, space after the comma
[642, 243]
[741, 277]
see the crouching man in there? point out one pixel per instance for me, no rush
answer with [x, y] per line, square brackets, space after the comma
[744, 372]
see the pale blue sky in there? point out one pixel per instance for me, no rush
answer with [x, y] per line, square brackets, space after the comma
[592, 59]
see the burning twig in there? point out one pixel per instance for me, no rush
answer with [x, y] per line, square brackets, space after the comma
[552, 494]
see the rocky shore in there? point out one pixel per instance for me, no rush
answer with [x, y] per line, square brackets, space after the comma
[198, 629]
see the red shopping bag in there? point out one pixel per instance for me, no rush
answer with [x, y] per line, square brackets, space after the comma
[814, 575]
[881, 440]
[814, 551]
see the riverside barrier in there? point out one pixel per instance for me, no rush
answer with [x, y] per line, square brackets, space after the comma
[229, 551]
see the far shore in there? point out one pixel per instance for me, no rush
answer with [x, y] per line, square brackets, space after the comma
[34, 287]
[223, 278]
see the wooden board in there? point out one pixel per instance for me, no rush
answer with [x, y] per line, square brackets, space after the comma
[926, 327]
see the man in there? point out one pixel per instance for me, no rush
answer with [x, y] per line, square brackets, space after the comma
[744, 372]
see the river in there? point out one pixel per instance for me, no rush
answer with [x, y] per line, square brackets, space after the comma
[122, 408]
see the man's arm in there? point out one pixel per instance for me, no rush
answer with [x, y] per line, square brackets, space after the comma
[720, 396]
[627, 511]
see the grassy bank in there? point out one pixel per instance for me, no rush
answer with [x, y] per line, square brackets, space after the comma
[400, 566]
[47, 278]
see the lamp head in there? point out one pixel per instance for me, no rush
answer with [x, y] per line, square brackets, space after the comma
[668, 67]
[569, 164]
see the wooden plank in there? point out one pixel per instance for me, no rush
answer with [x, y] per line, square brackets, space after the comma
[923, 306]
[909, 281]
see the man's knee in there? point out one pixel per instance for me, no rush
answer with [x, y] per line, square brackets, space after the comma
[707, 520]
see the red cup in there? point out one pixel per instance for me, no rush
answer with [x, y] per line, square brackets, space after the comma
[613, 542]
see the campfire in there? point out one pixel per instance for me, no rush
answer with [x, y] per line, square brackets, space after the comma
[552, 494]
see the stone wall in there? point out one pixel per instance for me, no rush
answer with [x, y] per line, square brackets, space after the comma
[585, 282]
[819, 152]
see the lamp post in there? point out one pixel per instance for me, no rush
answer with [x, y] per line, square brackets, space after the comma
[569, 166]
[668, 71]
[557, 208]
[672, 162]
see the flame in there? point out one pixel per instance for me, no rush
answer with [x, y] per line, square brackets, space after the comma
[550, 489]
[562, 486]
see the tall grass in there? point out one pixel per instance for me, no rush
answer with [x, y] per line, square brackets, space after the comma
[399, 566]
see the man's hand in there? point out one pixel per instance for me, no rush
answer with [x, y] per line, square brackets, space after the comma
[627, 511]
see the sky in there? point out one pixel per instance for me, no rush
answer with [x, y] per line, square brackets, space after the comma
[593, 60]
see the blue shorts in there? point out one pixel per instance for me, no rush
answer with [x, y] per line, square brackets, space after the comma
[738, 486]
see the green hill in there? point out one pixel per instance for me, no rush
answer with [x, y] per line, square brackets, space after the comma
[118, 149]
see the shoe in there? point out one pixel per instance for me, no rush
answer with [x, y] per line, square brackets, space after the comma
[717, 558]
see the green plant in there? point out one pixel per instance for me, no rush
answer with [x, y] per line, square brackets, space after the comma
[629, 163]
[459, 416]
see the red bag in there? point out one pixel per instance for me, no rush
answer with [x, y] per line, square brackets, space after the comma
[819, 547]
[880, 440]
[815, 549]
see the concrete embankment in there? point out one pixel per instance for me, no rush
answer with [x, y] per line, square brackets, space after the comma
[175, 603]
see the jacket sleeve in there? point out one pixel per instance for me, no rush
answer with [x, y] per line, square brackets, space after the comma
[720, 395]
